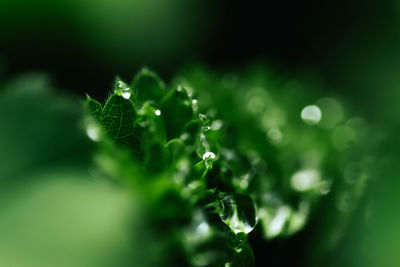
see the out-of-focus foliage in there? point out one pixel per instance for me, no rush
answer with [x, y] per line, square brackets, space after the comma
[221, 155]
[52, 211]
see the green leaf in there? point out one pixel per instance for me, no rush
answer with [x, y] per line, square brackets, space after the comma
[231, 149]
[176, 149]
[152, 120]
[243, 252]
[94, 107]
[192, 131]
[148, 86]
[118, 121]
[153, 138]
[177, 109]
[220, 178]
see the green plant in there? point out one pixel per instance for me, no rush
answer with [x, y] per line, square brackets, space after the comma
[212, 157]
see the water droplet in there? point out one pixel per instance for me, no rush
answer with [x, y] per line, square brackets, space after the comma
[325, 187]
[205, 121]
[93, 132]
[185, 136]
[126, 95]
[208, 155]
[238, 212]
[304, 180]
[121, 85]
[157, 112]
[194, 105]
[189, 91]
[311, 114]
[203, 147]
[208, 158]
[203, 228]
[186, 90]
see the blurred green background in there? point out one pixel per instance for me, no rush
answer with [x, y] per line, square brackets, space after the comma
[54, 213]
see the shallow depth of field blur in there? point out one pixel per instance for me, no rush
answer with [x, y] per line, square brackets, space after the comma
[326, 75]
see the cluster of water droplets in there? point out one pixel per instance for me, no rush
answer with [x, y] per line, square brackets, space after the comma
[247, 205]
[123, 90]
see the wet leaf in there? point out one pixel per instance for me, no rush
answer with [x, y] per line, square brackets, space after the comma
[94, 108]
[118, 121]
[148, 86]
[177, 109]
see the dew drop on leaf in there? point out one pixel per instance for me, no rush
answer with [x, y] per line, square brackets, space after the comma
[126, 95]
[238, 212]
[208, 155]
[205, 121]
[208, 158]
